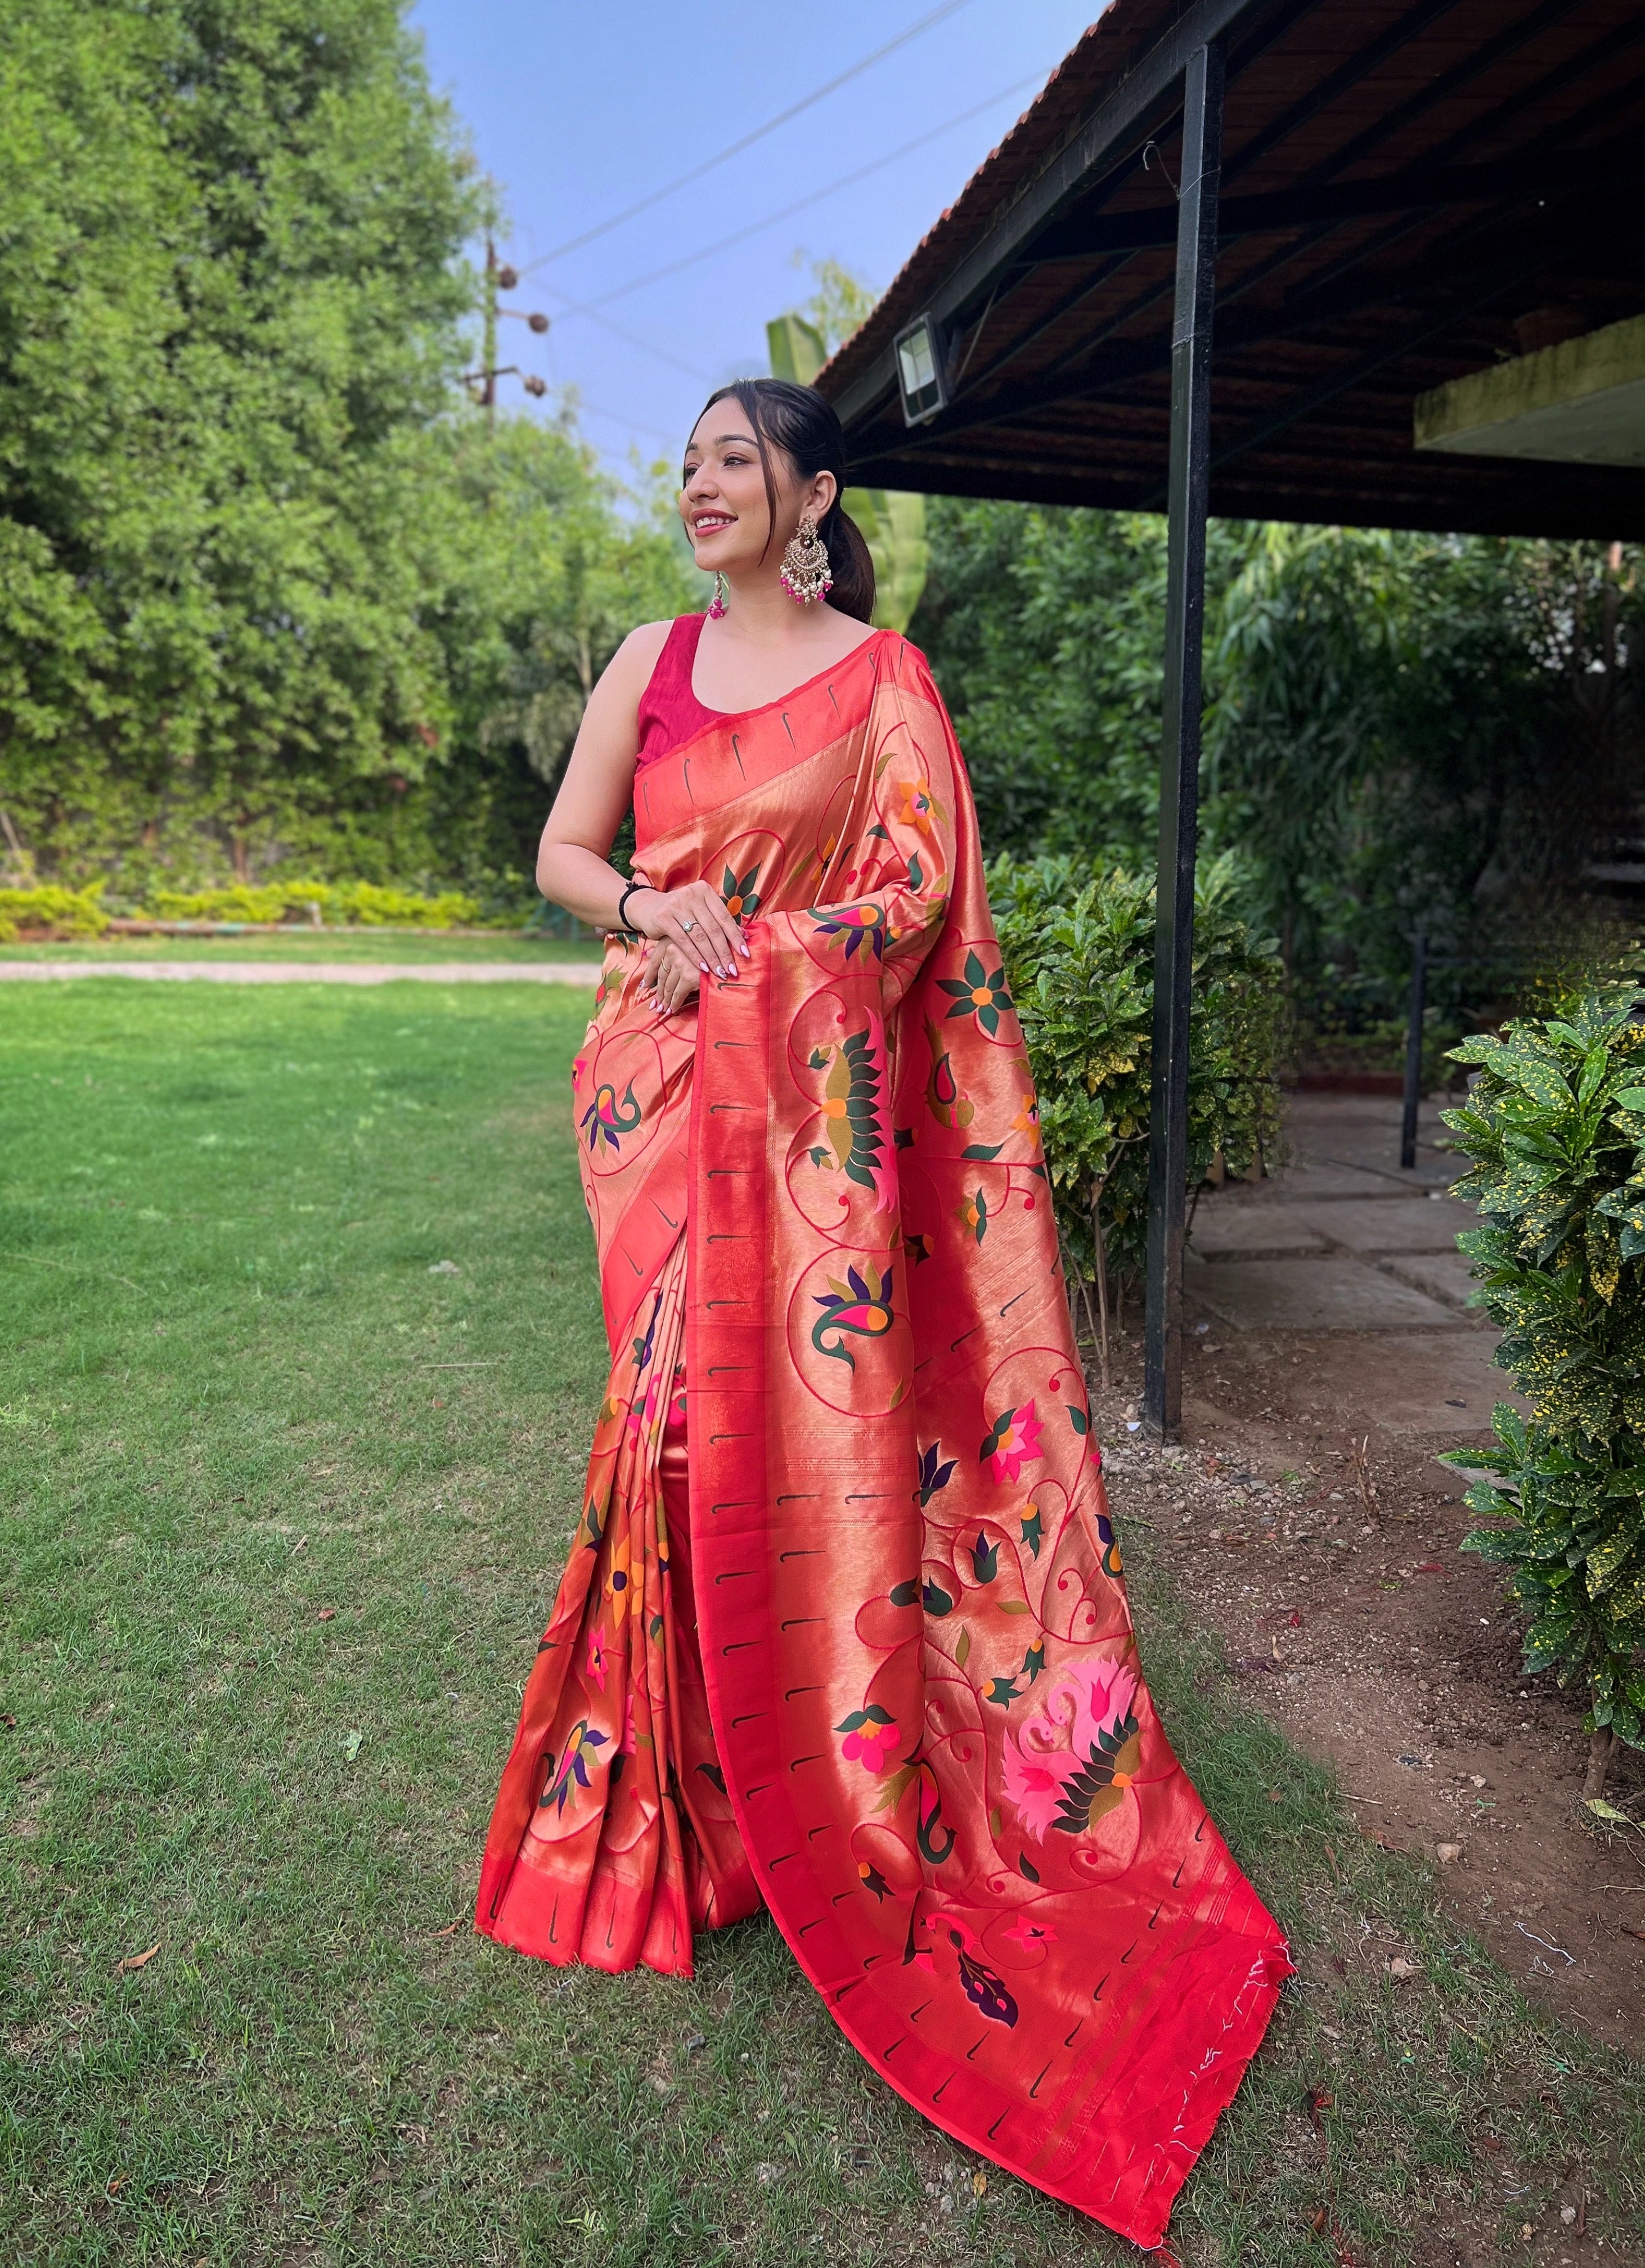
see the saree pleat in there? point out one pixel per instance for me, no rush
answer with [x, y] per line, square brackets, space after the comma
[844, 1627]
[603, 1869]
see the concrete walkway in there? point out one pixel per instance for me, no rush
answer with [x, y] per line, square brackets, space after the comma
[1342, 1247]
[313, 972]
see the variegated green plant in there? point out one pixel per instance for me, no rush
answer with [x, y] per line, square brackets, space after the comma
[1554, 1127]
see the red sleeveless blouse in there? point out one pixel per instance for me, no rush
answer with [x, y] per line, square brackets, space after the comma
[669, 711]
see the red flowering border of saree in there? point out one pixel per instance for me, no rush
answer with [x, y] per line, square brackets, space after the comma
[876, 1664]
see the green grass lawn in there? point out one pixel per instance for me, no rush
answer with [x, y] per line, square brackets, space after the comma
[319, 944]
[283, 1515]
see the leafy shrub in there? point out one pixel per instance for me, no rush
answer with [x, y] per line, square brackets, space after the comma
[367, 903]
[371, 906]
[1554, 1127]
[61, 913]
[1078, 959]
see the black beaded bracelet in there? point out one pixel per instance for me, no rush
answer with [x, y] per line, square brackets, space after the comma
[622, 903]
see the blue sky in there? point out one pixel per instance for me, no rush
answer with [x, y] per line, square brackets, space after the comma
[580, 112]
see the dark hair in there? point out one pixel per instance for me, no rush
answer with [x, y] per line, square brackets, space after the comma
[806, 427]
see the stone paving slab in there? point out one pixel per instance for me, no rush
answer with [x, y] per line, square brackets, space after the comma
[313, 972]
[1397, 1225]
[1332, 1294]
[1362, 1132]
[1445, 1275]
[1223, 1229]
[1428, 1173]
[1376, 1154]
[1301, 1182]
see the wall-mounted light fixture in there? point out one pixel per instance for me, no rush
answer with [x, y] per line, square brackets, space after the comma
[920, 370]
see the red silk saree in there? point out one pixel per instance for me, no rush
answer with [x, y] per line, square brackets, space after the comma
[844, 1629]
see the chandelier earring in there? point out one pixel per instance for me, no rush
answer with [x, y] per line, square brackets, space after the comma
[717, 604]
[805, 571]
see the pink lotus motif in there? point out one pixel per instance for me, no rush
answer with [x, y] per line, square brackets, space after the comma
[871, 1738]
[598, 1658]
[1073, 1761]
[1012, 1442]
[1028, 1932]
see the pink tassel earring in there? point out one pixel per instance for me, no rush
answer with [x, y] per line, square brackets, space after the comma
[717, 604]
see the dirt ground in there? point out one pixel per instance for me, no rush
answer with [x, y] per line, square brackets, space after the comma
[1305, 1514]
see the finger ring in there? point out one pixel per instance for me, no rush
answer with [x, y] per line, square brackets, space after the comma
[687, 926]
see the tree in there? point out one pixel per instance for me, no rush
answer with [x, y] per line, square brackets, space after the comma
[560, 564]
[1045, 629]
[1402, 730]
[230, 292]
[272, 594]
[1392, 736]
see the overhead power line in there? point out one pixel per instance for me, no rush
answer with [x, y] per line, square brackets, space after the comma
[630, 338]
[576, 243]
[583, 409]
[812, 198]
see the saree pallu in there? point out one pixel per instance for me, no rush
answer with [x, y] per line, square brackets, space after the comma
[844, 1628]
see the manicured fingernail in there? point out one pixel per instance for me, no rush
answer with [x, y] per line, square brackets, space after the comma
[744, 950]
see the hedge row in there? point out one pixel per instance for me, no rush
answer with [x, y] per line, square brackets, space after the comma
[80, 913]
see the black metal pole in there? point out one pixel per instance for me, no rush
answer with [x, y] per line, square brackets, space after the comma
[1413, 1049]
[1179, 771]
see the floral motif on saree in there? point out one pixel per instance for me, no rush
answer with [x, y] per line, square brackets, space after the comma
[864, 1653]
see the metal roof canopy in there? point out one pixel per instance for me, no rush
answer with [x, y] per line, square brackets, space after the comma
[1421, 190]
[1401, 184]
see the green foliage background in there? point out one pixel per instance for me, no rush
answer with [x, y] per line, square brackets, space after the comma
[274, 601]
[1078, 949]
[268, 595]
[1402, 730]
[1555, 1130]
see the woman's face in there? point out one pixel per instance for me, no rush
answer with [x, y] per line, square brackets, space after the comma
[722, 496]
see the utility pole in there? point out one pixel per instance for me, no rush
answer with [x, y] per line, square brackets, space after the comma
[499, 277]
[488, 350]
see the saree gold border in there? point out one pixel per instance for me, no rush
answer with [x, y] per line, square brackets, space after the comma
[738, 1538]
[1086, 2144]
[738, 754]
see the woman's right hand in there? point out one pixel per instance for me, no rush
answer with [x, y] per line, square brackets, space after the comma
[695, 921]
[670, 981]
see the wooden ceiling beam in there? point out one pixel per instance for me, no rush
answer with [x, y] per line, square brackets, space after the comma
[1333, 202]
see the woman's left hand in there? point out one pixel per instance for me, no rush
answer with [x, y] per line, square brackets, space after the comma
[671, 980]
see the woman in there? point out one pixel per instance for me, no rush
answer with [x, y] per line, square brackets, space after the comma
[842, 1631]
